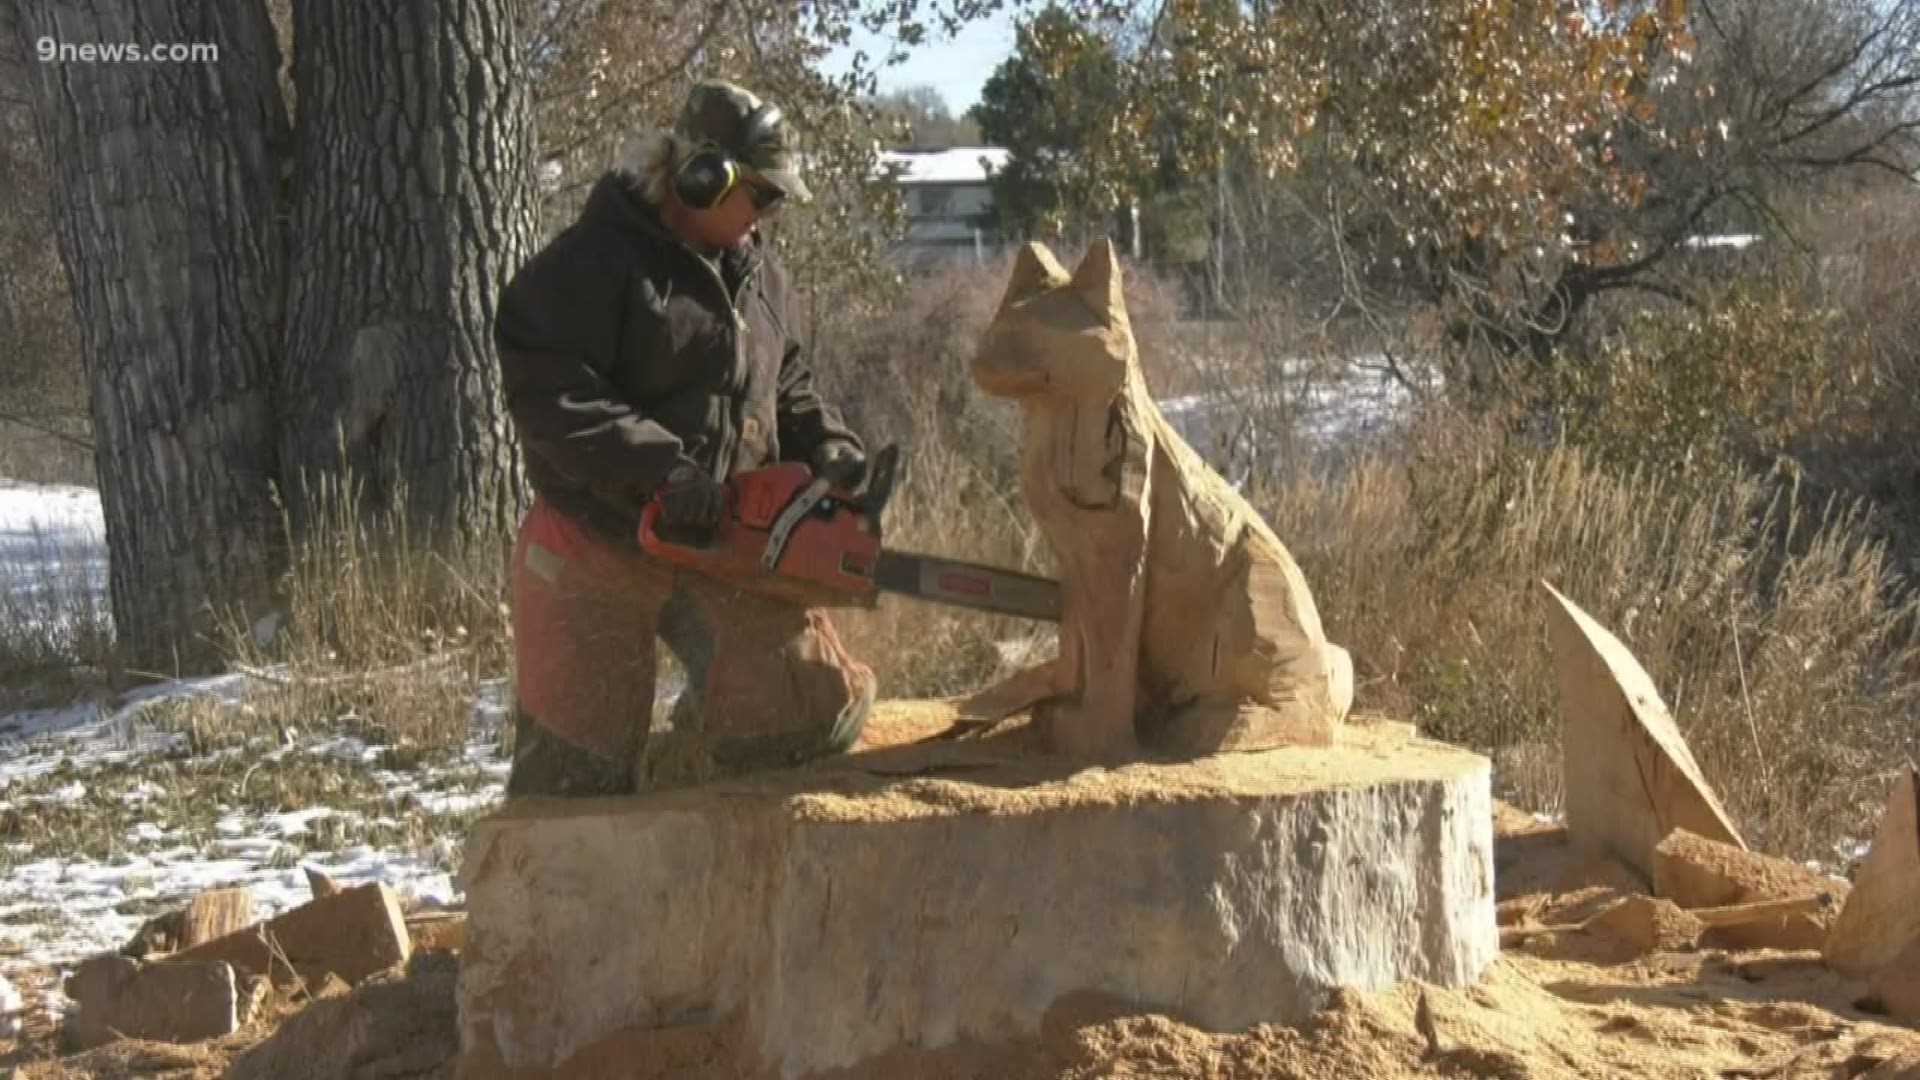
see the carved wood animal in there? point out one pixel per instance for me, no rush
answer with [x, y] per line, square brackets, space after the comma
[1186, 624]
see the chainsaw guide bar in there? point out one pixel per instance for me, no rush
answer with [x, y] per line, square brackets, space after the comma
[983, 588]
[787, 529]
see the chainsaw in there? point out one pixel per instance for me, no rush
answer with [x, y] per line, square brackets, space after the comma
[785, 527]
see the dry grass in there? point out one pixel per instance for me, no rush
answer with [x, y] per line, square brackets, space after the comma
[1783, 641]
[381, 634]
[924, 650]
[108, 810]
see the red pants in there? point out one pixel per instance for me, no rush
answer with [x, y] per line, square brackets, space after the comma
[760, 670]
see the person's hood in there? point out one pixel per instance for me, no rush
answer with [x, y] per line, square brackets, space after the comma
[615, 200]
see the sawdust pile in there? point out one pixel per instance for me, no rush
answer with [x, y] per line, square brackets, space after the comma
[1751, 1017]
[1530, 1017]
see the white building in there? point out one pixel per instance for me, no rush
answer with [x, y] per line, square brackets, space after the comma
[949, 201]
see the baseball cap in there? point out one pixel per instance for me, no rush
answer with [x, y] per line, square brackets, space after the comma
[719, 112]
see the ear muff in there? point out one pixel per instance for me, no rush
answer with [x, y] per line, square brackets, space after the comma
[710, 173]
[706, 177]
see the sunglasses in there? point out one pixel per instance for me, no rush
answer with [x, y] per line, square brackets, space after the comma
[763, 198]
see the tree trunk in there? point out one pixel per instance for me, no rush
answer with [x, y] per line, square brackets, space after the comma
[415, 204]
[163, 187]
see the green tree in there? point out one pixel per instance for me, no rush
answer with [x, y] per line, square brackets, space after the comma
[1046, 104]
[924, 119]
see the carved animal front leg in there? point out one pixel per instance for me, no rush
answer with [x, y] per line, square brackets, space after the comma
[1091, 495]
[1100, 647]
[1103, 555]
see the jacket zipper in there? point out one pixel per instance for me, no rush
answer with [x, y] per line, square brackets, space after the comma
[725, 453]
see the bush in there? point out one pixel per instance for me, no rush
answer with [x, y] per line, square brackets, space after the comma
[1786, 645]
[1758, 373]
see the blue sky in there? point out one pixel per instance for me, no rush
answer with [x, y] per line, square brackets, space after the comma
[957, 66]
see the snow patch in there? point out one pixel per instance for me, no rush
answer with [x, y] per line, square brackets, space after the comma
[53, 552]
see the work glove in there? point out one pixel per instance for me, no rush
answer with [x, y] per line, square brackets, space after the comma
[842, 463]
[691, 500]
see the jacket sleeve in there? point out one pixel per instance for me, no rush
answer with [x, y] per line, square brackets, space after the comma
[557, 330]
[805, 419]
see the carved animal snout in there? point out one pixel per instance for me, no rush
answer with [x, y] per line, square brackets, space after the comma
[1008, 365]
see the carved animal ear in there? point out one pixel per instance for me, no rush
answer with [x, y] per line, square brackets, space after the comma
[1035, 270]
[1098, 279]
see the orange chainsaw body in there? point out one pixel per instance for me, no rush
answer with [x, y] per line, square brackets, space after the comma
[834, 546]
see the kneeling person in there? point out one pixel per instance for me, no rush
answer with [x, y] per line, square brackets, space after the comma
[647, 354]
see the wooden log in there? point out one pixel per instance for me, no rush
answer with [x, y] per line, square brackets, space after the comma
[119, 997]
[1897, 985]
[1761, 911]
[320, 884]
[352, 934]
[1882, 914]
[1696, 872]
[446, 931]
[1651, 923]
[207, 916]
[215, 913]
[1630, 778]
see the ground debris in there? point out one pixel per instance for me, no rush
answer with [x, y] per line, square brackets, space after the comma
[1561, 1015]
[118, 997]
[212, 914]
[1882, 915]
[1897, 985]
[352, 934]
[399, 1026]
[1695, 872]
[1644, 924]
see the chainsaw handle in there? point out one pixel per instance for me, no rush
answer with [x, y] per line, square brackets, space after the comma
[880, 480]
[654, 535]
[790, 516]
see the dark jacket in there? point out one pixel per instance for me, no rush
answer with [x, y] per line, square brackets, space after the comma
[623, 353]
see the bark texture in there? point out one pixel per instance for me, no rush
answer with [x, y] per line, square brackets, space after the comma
[163, 183]
[415, 204]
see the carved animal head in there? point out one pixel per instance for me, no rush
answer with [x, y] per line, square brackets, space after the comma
[1056, 335]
